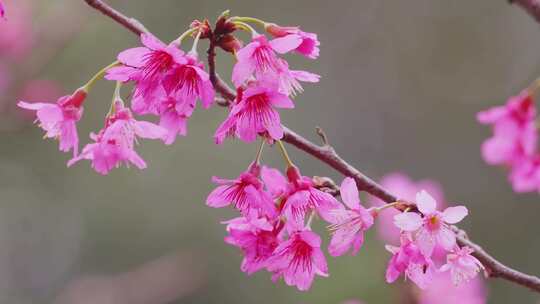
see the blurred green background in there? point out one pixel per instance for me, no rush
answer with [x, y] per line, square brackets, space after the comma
[401, 83]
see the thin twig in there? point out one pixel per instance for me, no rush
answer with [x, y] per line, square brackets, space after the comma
[329, 156]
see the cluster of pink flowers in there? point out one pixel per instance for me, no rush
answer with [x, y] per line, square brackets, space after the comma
[167, 83]
[273, 229]
[265, 83]
[442, 287]
[514, 141]
[423, 231]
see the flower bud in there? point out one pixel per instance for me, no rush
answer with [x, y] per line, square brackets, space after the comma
[229, 43]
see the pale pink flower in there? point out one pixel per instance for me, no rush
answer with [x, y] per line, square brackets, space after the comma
[462, 265]
[349, 225]
[59, 120]
[257, 238]
[309, 45]
[115, 143]
[405, 188]
[148, 66]
[298, 195]
[433, 227]
[289, 80]
[525, 174]
[259, 57]
[245, 193]
[409, 260]
[442, 291]
[298, 260]
[255, 113]
[514, 131]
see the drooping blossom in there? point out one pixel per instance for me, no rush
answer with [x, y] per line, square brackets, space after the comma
[59, 120]
[115, 143]
[259, 57]
[514, 131]
[405, 188]
[255, 113]
[462, 265]
[189, 81]
[349, 225]
[309, 45]
[432, 228]
[525, 174]
[298, 260]
[246, 193]
[409, 260]
[173, 113]
[441, 290]
[173, 118]
[257, 238]
[298, 196]
[149, 66]
[289, 80]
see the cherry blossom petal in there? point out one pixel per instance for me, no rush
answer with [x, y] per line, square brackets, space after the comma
[453, 215]
[425, 202]
[408, 221]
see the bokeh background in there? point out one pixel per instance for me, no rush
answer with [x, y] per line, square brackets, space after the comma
[401, 83]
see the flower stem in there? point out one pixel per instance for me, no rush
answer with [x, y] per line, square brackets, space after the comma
[386, 206]
[88, 86]
[248, 19]
[259, 152]
[184, 35]
[246, 27]
[195, 43]
[285, 154]
[533, 87]
[116, 98]
[310, 219]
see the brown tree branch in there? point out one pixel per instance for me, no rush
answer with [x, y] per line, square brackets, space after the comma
[328, 155]
[532, 7]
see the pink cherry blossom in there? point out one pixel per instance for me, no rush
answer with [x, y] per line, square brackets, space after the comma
[259, 57]
[462, 265]
[298, 195]
[442, 291]
[349, 225]
[60, 120]
[298, 260]
[525, 174]
[189, 81]
[245, 193]
[173, 118]
[289, 80]
[257, 238]
[433, 227]
[309, 45]
[255, 113]
[17, 36]
[409, 260]
[514, 131]
[116, 142]
[149, 66]
[405, 188]
[2, 10]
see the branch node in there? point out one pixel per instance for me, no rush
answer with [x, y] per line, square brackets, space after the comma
[322, 135]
